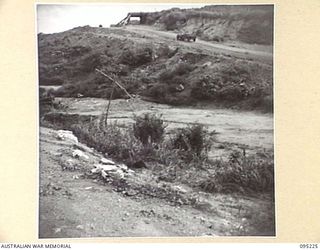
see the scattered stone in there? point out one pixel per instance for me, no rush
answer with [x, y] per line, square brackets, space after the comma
[123, 167]
[179, 189]
[80, 227]
[66, 135]
[116, 174]
[202, 220]
[75, 177]
[88, 188]
[106, 161]
[83, 148]
[106, 168]
[130, 192]
[69, 165]
[147, 213]
[56, 187]
[104, 174]
[79, 154]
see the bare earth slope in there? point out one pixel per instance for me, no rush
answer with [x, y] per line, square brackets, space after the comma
[151, 63]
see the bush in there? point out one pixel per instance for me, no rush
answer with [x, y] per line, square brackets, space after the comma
[174, 20]
[159, 92]
[113, 140]
[242, 174]
[194, 140]
[180, 69]
[217, 38]
[149, 128]
[136, 57]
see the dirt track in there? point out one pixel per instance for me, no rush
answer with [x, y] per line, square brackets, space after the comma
[209, 47]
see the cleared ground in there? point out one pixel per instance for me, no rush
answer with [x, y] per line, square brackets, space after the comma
[235, 129]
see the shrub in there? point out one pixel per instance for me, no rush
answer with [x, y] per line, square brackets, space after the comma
[217, 38]
[173, 20]
[149, 128]
[194, 139]
[159, 92]
[242, 173]
[90, 63]
[179, 70]
[136, 57]
[113, 140]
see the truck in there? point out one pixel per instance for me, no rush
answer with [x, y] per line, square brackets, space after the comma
[186, 37]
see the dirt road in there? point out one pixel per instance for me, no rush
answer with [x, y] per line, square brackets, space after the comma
[209, 47]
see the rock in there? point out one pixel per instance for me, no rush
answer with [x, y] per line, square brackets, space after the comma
[56, 188]
[202, 220]
[130, 171]
[131, 192]
[96, 170]
[117, 174]
[81, 227]
[83, 148]
[179, 189]
[207, 64]
[123, 167]
[106, 161]
[69, 165]
[106, 168]
[104, 174]
[57, 230]
[79, 154]
[66, 135]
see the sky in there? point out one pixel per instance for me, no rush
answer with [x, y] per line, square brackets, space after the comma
[52, 18]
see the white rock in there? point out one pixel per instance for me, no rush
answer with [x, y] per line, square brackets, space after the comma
[96, 170]
[123, 167]
[179, 189]
[104, 174]
[106, 161]
[130, 171]
[79, 154]
[67, 135]
[81, 227]
[117, 174]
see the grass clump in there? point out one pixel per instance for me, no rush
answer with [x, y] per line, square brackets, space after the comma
[241, 173]
[113, 140]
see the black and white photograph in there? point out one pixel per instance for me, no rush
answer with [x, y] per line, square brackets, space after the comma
[155, 120]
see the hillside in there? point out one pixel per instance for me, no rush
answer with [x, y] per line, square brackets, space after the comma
[243, 23]
[152, 64]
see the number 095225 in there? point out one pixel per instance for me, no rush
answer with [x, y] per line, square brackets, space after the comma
[309, 246]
